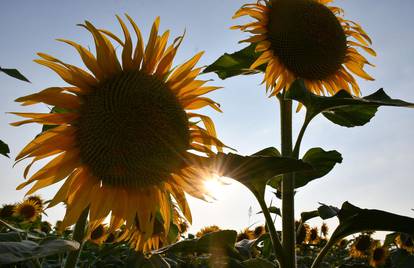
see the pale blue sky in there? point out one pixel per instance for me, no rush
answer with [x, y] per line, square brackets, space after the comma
[377, 170]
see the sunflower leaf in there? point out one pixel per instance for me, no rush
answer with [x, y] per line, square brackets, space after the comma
[342, 108]
[322, 162]
[256, 170]
[4, 149]
[12, 252]
[353, 219]
[14, 73]
[402, 259]
[219, 241]
[237, 63]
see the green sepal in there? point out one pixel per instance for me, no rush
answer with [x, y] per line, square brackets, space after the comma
[4, 149]
[237, 63]
[14, 73]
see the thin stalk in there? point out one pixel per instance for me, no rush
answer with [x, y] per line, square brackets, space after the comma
[296, 149]
[322, 253]
[288, 186]
[277, 246]
[78, 235]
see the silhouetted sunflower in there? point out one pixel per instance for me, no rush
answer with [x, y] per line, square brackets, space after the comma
[259, 230]
[27, 210]
[306, 39]
[98, 235]
[361, 246]
[406, 242]
[378, 256]
[122, 142]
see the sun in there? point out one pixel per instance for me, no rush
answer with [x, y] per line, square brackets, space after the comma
[215, 186]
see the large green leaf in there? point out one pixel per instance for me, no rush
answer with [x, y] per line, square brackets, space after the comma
[237, 63]
[14, 73]
[256, 170]
[4, 149]
[12, 252]
[342, 108]
[321, 161]
[353, 219]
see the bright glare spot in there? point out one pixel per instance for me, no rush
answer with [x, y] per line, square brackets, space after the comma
[216, 186]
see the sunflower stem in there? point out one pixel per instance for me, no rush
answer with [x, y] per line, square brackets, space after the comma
[322, 253]
[277, 246]
[296, 149]
[78, 236]
[288, 185]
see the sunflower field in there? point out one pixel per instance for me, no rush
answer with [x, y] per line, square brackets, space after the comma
[113, 152]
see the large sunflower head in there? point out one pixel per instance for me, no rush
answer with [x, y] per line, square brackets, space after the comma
[306, 39]
[27, 210]
[124, 140]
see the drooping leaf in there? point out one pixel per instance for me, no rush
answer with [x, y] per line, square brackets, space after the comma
[321, 161]
[327, 212]
[4, 149]
[323, 211]
[342, 108]
[307, 215]
[237, 63]
[14, 73]
[353, 219]
[12, 252]
[273, 209]
[18, 230]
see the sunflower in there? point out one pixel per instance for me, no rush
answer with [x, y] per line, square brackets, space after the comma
[7, 211]
[302, 232]
[313, 236]
[126, 139]
[207, 230]
[378, 256]
[306, 39]
[361, 246]
[245, 234]
[405, 241]
[98, 235]
[324, 230]
[37, 199]
[259, 231]
[27, 210]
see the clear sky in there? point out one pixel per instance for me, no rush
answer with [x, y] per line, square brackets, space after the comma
[377, 171]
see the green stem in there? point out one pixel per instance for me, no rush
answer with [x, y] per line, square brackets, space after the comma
[277, 246]
[288, 186]
[322, 253]
[78, 235]
[296, 149]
